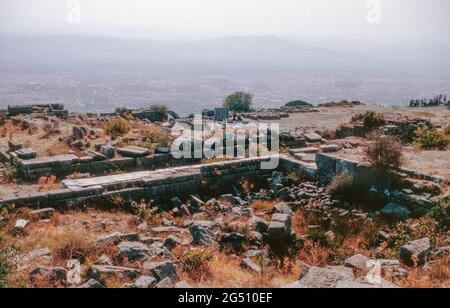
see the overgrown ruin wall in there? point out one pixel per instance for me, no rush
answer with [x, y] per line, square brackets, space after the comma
[183, 181]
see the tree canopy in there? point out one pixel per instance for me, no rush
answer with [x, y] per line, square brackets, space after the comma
[239, 102]
[298, 103]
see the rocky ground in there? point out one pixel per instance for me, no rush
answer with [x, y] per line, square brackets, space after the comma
[286, 233]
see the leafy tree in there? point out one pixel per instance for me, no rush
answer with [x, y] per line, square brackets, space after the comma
[239, 102]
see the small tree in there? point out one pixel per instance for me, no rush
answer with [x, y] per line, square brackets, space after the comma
[385, 153]
[239, 102]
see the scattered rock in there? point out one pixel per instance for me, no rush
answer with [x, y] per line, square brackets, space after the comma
[357, 261]
[396, 211]
[98, 271]
[283, 208]
[280, 226]
[143, 282]
[20, 226]
[162, 270]
[247, 263]
[201, 235]
[172, 241]
[91, 284]
[133, 251]
[441, 251]
[166, 283]
[259, 224]
[142, 227]
[322, 278]
[182, 285]
[416, 252]
[313, 137]
[116, 238]
[43, 213]
[104, 260]
[233, 240]
[74, 273]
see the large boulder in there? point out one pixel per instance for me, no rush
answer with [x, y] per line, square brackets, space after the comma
[396, 211]
[162, 270]
[133, 251]
[357, 261]
[283, 208]
[98, 271]
[143, 282]
[259, 224]
[416, 252]
[322, 278]
[116, 238]
[202, 233]
[279, 227]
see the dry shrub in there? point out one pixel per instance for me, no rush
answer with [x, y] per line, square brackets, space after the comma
[314, 254]
[447, 130]
[328, 134]
[118, 127]
[385, 153]
[195, 262]
[341, 185]
[300, 223]
[48, 183]
[73, 246]
[431, 139]
[154, 137]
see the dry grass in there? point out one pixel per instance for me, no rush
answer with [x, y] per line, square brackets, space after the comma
[226, 272]
[263, 207]
[435, 275]
[48, 183]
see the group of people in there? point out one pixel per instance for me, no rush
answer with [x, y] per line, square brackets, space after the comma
[436, 101]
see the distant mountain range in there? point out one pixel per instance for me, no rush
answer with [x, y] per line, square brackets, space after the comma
[101, 73]
[233, 52]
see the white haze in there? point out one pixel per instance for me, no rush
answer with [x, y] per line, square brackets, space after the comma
[189, 54]
[200, 19]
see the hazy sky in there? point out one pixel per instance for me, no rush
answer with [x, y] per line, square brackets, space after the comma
[198, 19]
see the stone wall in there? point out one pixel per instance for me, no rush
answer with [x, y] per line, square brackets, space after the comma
[67, 164]
[159, 185]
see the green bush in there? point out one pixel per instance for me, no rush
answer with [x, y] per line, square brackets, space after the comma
[118, 127]
[373, 120]
[431, 139]
[441, 214]
[10, 174]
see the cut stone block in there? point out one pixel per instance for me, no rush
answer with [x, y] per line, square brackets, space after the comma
[26, 154]
[132, 151]
[313, 137]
